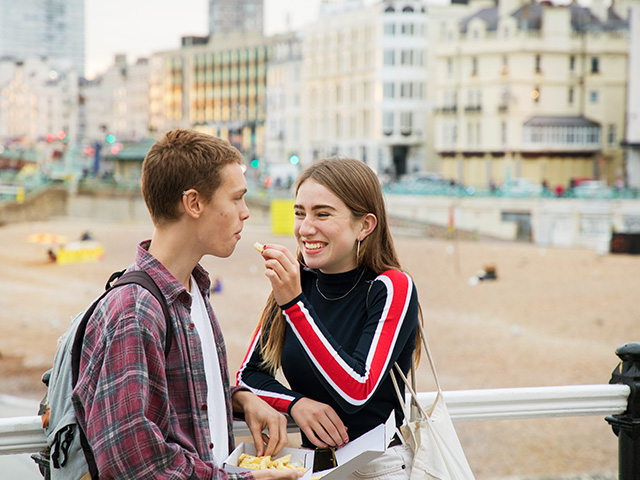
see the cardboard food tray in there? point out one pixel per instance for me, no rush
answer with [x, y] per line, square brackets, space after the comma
[302, 455]
[349, 458]
[361, 451]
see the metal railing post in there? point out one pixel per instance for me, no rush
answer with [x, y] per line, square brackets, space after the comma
[626, 425]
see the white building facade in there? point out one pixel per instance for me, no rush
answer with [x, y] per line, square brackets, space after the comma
[531, 90]
[117, 103]
[38, 102]
[632, 139]
[284, 102]
[364, 85]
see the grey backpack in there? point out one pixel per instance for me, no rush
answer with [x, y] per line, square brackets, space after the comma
[68, 455]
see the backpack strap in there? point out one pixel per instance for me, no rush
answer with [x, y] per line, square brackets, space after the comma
[139, 277]
[143, 279]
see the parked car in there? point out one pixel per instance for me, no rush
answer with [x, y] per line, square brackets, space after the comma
[592, 189]
[520, 187]
[425, 183]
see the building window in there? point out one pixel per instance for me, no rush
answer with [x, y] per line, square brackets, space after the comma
[572, 63]
[474, 66]
[503, 133]
[390, 29]
[595, 65]
[611, 134]
[593, 96]
[449, 67]
[570, 96]
[388, 90]
[389, 57]
[538, 64]
[406, 120]
[406, 57]
[406, 90]
[407, 29]
[553, 135]
[387, 123]
[449, 134]
[505, 65]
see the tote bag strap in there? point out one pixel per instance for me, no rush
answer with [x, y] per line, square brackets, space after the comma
[426, 348]
[416, 409]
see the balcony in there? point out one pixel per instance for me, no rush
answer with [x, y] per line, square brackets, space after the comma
[473, 109]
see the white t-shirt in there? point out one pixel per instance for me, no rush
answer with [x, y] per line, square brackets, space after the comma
[215, 393]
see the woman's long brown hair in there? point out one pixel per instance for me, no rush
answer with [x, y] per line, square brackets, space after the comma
[358, 187]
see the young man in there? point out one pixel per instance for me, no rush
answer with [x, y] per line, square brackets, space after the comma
[144, 415]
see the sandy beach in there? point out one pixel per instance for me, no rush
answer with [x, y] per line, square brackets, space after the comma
[552, 317]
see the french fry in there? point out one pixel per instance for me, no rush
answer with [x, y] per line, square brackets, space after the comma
[258, 246]
[265, 463]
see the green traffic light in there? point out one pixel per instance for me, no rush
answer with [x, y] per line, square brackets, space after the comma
[255, 163]
[294, 159]
[111, 138]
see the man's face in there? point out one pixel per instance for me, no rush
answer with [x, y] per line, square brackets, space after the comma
[223, 217]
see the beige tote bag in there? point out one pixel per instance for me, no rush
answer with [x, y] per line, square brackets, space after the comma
[437, 453]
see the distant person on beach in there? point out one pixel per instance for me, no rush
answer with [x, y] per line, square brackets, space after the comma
[340, 314]
[150, 417]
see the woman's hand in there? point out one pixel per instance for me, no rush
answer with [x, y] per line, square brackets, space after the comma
[260, 415]
[320, 423]
[283, 271]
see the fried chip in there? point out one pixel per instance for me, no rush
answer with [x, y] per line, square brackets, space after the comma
[266, 462]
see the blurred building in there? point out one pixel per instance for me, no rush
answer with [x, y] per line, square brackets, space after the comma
[226, 16]
[215, 84]
[38, 103]
[283, 132]
[632, 138]
[44, 28]
[117, 102]
[364, 84]
[531, 90]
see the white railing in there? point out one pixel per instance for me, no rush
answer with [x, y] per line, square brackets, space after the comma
[25, 434]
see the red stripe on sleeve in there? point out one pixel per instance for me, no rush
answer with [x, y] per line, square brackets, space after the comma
[352, 386]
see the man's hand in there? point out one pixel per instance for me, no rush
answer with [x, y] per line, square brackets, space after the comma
[260, 415]
[320, 423]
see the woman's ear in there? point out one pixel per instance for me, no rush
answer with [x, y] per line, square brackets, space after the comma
[191, 203]
[369, 223]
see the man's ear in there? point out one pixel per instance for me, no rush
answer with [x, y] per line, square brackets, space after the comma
[369, 223]
[191, 202]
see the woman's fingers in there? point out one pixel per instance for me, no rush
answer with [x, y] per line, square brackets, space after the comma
[320, 423]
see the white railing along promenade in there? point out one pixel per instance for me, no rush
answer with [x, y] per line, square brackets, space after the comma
[25, 434]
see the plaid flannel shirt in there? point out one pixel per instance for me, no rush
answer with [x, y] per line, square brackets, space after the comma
[144, 416]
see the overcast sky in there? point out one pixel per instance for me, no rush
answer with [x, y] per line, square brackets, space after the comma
[139, 28]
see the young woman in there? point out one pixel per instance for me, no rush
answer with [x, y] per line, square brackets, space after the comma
[339, 315]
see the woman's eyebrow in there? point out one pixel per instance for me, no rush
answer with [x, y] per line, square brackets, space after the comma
[315, 207]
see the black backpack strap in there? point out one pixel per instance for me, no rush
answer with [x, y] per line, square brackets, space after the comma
[138, 277]
[143, 279]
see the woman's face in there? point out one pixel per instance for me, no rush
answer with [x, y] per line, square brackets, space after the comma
[326, 232]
